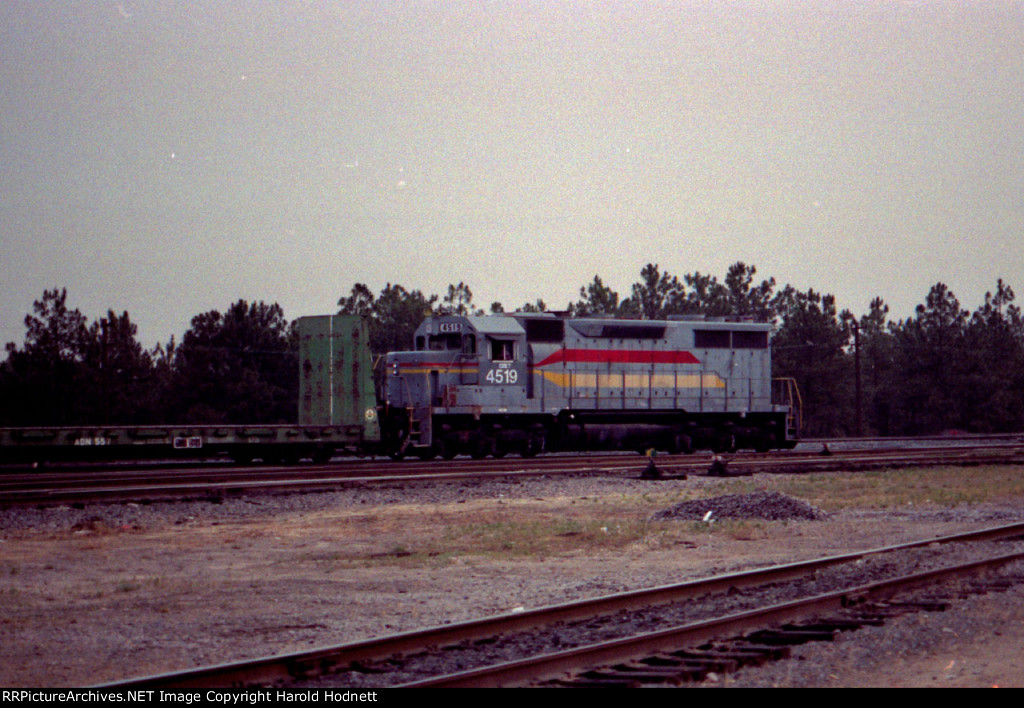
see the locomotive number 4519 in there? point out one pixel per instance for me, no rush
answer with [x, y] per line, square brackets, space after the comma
[502, 376]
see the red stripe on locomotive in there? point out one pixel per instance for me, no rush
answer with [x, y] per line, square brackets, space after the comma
[620, 356]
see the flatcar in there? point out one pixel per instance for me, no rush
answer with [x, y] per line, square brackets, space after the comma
[528, 383]
[337, 415]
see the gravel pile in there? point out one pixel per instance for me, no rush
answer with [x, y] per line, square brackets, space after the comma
[758, 505]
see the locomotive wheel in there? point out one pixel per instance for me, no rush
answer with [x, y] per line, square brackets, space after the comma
[446, 449]
[765, 442]
[398, 444]
[724, 443]
[532, 447]
[681, 444]
[481, 448]
[398, 451]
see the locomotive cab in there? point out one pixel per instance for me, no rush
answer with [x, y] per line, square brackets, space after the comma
[463, 369]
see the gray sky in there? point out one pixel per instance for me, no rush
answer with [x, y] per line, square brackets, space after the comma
[168, 157]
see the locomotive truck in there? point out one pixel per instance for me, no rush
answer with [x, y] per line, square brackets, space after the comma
[521, 383]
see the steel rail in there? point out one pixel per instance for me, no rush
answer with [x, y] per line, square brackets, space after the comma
[288, 667]
[207, 489]
[558, 664]
[360, 471]
[51, 488]
[14, 474]
[169, 486]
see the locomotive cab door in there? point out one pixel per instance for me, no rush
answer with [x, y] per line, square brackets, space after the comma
[503, 368]
[503, 373]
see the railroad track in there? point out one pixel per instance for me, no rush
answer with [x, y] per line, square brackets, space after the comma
[672, 633]
[113, 484]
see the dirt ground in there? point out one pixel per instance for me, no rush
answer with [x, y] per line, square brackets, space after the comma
[115, 596]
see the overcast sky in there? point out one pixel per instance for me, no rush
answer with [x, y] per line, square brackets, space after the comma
[168, 158]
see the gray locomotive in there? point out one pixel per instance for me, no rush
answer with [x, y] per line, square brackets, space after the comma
[527, 383]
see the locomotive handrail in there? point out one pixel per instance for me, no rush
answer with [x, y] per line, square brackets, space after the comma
[790, 392]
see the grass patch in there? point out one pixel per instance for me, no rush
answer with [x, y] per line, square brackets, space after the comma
[538, 529]
[542, 536]
[895, 488]
[549, 536]
[511, 530]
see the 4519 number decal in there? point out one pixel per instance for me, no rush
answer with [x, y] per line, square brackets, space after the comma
[502, 376]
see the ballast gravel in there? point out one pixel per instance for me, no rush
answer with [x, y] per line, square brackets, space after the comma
[567, 635]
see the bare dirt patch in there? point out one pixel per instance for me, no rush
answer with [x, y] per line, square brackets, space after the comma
[110, 592]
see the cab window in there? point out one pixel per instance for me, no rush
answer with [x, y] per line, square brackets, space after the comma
[502, 350]
[445, 342]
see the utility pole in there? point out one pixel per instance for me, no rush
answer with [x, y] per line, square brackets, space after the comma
[857, 389]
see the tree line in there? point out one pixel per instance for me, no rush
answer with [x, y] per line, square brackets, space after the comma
[942, 369]
[239, 366]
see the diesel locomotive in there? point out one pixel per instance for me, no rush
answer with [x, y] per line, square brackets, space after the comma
[533, 382]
